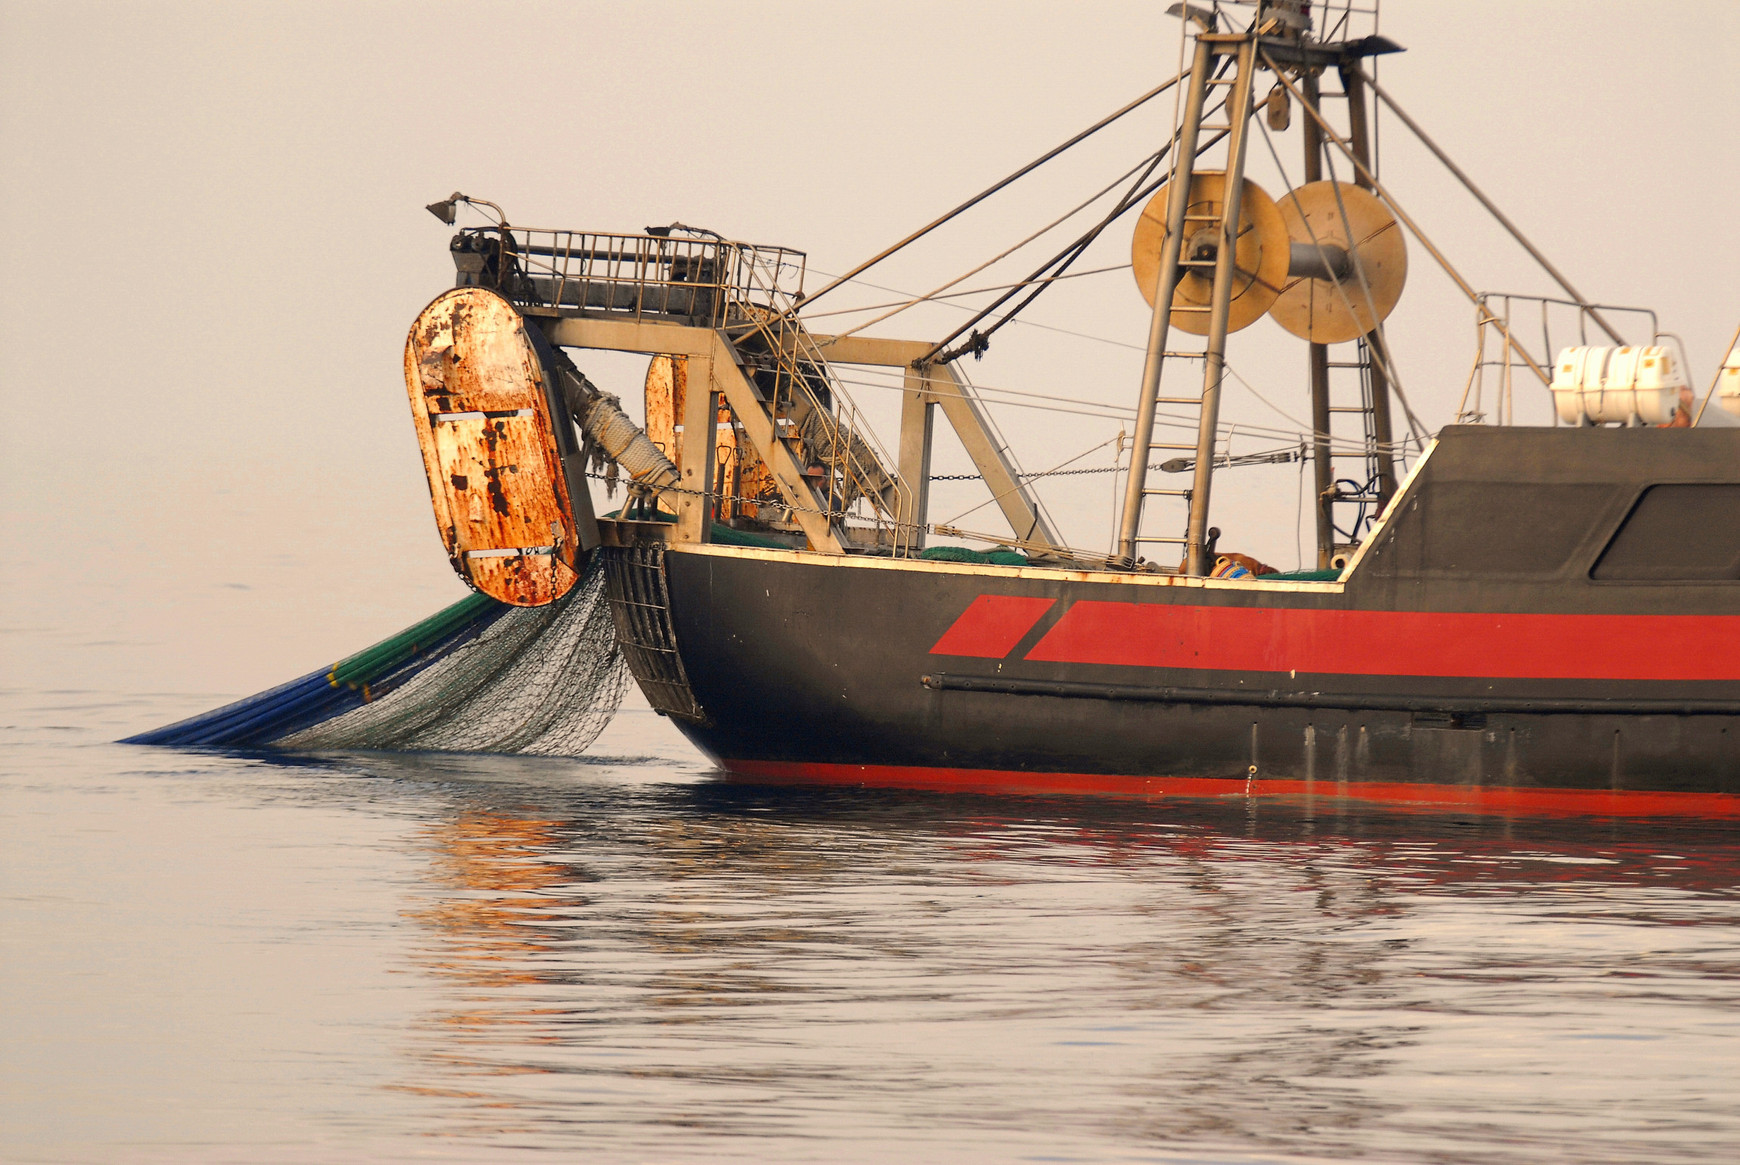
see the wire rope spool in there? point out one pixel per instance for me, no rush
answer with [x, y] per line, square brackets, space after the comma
[1348, 269]
[1260, 256]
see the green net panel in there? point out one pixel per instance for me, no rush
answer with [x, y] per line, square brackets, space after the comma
[538, 680]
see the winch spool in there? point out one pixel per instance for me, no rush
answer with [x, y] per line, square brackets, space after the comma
[1261, 254]
[1346, 270]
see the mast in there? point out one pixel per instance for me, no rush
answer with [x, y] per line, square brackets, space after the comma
[1203, 233]
[1373, 352]
[1323, 473]
[1183, 163]
[1225, 259]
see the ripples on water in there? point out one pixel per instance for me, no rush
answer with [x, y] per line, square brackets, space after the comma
[229, 957]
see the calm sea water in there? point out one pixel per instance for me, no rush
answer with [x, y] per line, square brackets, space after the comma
[216, 958]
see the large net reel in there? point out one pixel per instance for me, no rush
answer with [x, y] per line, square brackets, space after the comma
[1328, 262]
[1349, 263]
[1260, 254]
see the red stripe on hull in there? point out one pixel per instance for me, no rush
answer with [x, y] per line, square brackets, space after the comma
[991, 626]
[1479, 799]
[1396, 643]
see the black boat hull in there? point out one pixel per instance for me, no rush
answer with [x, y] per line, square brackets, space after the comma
[1415, 679]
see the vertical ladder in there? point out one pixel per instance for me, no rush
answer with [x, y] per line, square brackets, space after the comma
[1342, 513]
[1349, 501]
[1173, 264]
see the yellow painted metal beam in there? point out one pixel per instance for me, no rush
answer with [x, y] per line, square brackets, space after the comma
[745, 400]
[654, 339]
[695, 465]
[870, 350]
[712, 370]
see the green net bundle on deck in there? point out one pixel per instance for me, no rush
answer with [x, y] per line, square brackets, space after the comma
[1302, 576]
[998, 556]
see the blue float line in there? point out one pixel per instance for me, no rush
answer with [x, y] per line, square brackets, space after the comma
[290, 707]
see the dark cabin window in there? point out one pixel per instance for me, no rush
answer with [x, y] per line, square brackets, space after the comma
[1496, 528]
[1676, 533]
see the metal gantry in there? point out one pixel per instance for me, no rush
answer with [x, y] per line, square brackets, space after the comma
[730, 311]
[733, 312]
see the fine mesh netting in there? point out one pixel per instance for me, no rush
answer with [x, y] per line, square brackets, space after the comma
[535, 680]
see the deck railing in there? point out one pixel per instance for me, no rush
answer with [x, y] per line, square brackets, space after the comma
[1506, 340]
[750, 292]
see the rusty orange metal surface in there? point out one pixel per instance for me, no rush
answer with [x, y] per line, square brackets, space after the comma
[495, 474]
[667, 383]
[740, 477]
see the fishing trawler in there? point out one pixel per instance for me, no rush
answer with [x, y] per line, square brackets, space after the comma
[1500, 616]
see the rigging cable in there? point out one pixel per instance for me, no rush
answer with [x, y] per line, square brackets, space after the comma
[1019, 481]
[1380, 351]
[944, 297]
[1107, 189]
[977, 342]
[1109, 412]
[1730, 348]
[1491, 208]
[1406, 219]
[996, 186]
[943, 300]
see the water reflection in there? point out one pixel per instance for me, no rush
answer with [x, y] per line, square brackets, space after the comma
[498, 880]
[632, 964]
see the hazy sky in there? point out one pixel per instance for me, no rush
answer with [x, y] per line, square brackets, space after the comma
[217, 241]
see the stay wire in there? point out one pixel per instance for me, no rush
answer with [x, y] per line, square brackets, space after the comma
[1379, 351]
[1402, 216]
[1101, 193]
[1033, 400]
[1283, 456]
[996, 186]
[1062, 260]
[1377, 332]
[944, 301]
[1022, 481]
[939, 296]
[977, 343]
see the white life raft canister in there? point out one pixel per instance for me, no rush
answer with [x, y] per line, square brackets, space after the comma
[1729, 384]
[1626, 385]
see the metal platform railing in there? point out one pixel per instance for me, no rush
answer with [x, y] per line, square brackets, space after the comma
[801, 387]
[682, 278]
[1505, 340]
[751, 293]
